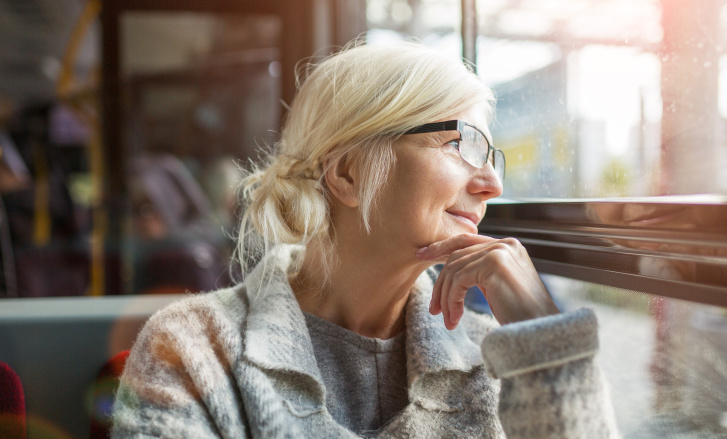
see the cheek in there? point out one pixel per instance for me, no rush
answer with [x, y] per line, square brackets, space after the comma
[424, 183]
[422, 193]
[442, 181]
[433, 170]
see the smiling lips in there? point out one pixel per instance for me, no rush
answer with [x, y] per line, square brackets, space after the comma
[469, 219]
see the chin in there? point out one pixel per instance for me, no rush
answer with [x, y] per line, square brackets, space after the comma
[451, 234]
[462, 230]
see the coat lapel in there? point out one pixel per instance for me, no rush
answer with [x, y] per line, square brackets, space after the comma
[450, 394]
[276, 337]
[435, 355]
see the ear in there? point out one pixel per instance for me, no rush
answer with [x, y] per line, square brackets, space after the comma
[341, 181]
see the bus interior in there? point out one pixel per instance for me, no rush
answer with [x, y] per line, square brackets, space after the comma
[124, 126]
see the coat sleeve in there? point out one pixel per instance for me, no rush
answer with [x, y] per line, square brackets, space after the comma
[550, 384]
[177, 383]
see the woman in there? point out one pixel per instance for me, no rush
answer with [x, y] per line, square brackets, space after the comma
[384, 168]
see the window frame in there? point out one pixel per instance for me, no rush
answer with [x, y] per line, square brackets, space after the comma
[566, 238]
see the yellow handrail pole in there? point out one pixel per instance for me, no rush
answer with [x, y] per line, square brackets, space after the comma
[65, 90]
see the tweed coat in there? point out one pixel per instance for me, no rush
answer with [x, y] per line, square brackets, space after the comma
[239, 363]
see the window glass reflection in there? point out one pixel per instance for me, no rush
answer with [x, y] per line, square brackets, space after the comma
[665, 359]
[197, 103]
[199, 95]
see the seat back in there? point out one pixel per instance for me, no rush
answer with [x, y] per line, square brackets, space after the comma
[12, 404]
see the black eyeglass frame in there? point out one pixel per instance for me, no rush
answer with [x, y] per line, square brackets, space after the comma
[458, 125]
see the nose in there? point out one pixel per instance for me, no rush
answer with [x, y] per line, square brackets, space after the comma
[484, 183]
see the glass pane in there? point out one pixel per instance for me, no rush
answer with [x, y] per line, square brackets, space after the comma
[664, 359]
[606, 99]
[595, 99]
[201, 95]
[199, 92]
[48, 90]
[435, 23]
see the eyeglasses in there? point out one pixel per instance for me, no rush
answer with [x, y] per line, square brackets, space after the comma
[473, 146]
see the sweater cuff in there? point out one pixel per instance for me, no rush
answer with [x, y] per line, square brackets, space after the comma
[541, 343]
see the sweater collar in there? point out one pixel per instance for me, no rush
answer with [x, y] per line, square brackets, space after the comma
[277, 339]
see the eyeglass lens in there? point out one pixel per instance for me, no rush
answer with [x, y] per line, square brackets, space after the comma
[498, 162]
[475, 150]
[473, 147]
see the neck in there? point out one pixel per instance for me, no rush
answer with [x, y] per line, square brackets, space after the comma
[366, 292]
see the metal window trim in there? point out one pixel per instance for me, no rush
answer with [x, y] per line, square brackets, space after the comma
[655, 246]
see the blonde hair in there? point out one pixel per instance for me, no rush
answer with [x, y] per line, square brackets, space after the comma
[354, 104]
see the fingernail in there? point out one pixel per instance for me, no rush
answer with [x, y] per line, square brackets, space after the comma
[430, 307]
[422, 251]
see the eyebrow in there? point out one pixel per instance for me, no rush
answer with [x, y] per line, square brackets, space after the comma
[446, 136]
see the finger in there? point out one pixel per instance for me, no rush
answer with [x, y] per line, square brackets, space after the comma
[456, 310]
[445, 277]
[451, 299]
[434, 307]
[439, 298]
[464, 278]
[445, 247]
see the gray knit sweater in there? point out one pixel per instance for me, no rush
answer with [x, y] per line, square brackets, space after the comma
[365, 378]
[239, 363]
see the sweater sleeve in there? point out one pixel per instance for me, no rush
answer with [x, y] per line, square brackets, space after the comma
[551, 386]
[175, 383]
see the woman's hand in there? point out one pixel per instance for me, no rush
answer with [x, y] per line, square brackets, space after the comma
[501, 268]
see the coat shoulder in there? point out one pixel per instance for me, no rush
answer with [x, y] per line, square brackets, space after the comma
[224, 305]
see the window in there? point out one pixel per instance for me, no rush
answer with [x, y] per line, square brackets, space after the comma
[595, 99]
[663, 358]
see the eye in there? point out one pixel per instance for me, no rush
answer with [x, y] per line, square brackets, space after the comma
[454, 143]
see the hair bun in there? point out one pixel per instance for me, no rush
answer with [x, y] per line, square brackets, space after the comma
[287, 205]
[290, 167]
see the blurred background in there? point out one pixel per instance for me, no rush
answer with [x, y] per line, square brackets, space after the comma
[124, 124]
